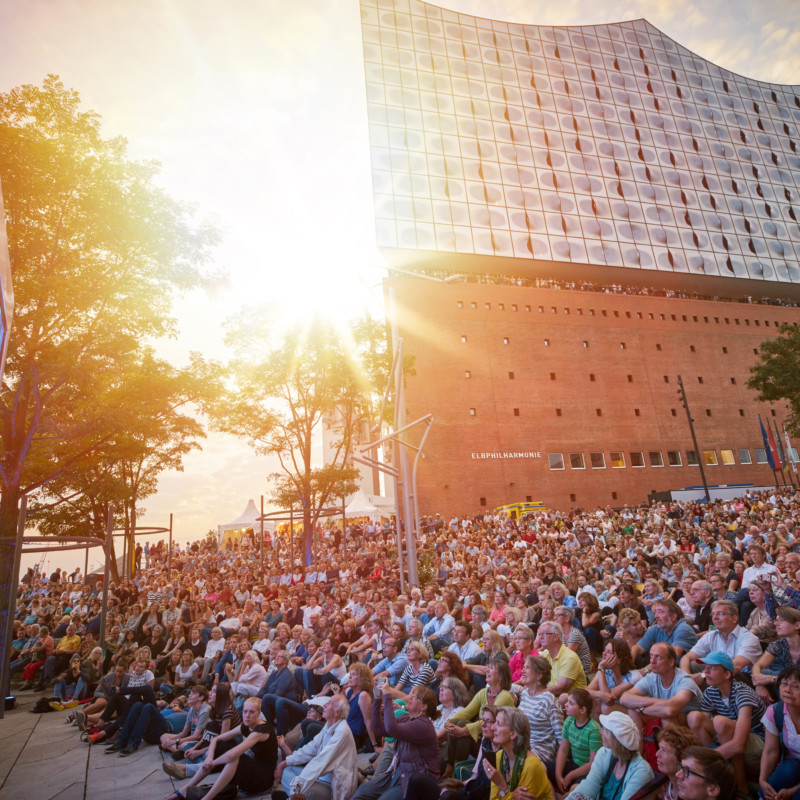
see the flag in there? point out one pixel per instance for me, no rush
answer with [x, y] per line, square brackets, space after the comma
[784, 462]
[768, 446]
[789, 450]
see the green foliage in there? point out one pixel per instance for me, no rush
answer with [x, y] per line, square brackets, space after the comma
[98, 252]
[286, 386]
[775, 377]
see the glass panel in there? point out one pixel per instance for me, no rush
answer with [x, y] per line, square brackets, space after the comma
[617, 459]
[637, 459]
[727, 457]
[598, 460]
[744, 456]
[761, 455]
[674, 457]
[656, 459]
[576, 461]
[710, 458]
[691, 458]
[556, 460]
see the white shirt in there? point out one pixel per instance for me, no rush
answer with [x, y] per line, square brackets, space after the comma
[751, 573]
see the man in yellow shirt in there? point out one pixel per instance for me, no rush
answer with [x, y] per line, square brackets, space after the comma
[67, 646]
[567, 670]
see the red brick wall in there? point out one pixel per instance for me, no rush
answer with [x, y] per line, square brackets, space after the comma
[451, 480]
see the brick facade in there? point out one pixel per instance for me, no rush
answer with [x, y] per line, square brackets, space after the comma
[553, 371]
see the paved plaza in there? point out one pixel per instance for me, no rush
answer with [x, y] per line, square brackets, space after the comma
[43, 758]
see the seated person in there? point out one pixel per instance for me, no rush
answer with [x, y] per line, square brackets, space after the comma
[326, 766]
[249, 765]
[515, 766]
[703, 774]
[196, 722]
[670, 627]
[730, 712]
[743, 648]
[619, 770]
[666, 693]
[580, 742]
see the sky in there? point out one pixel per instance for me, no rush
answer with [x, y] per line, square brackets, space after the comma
[256, 111]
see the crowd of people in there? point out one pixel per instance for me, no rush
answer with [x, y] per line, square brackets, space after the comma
[640, 652]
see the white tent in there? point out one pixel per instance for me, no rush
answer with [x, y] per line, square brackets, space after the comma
[360, 506]
[247, 519]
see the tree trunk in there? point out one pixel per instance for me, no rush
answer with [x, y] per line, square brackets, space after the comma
[308, 536]
[9, 514]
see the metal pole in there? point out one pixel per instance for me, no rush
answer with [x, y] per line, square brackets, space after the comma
[169, 552]
[405, 475]
[106, 575]
[682, 394]
[261, 525]
[132, 546]
[291, 538]
[125, 549]
[13, 585]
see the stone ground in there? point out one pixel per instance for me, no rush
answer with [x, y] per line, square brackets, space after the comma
[43, 758]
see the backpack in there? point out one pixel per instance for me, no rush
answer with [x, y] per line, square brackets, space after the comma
[779, 708]
[229, 792]
[43, 705]
[650, 734]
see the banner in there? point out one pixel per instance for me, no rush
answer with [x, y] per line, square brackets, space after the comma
[772, 456]
[789, 449]
[779, 444]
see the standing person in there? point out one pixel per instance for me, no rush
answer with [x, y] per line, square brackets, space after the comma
[515, 767]
[416, 744]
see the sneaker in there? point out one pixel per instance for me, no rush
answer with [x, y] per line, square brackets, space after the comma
[115, 747]
[129, 750]
[80, 720]
[71, 703]
[70, 720]
[177, 771]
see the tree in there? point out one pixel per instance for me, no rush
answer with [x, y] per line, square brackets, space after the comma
[775, 376]
[98, 253]
[153, 432]
[283, 392]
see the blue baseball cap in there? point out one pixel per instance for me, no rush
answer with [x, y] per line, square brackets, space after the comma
[718, 657]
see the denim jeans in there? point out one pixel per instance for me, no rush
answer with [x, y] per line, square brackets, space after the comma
[785, 775]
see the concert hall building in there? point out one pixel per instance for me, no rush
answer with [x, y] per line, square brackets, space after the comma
[593, 211]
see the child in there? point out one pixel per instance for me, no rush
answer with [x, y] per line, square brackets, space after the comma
[580, 741]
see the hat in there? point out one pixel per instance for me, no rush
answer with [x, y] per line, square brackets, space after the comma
[623, 728]
[718, 657]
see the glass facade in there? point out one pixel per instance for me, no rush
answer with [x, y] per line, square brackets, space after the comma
[605, 145]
